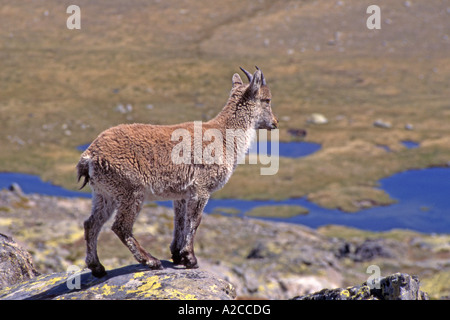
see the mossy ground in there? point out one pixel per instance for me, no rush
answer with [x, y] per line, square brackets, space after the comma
[278, 211]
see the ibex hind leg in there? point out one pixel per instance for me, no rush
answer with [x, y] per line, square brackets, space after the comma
[102, 209]
[127, 213]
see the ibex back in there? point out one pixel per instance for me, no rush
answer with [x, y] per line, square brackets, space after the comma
[128, 164]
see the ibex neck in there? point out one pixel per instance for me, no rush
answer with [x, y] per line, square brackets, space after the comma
[235, 116]
[238, 128]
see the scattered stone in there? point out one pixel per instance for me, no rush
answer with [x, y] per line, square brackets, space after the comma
[124, 109]
[16, 264]
[298, 133]
[382, 124]
[366, 251]
[317, 118]
[258, 252]
[338, 35]
[399, 286]
[336, 39]
[409, 126]
[15, 187]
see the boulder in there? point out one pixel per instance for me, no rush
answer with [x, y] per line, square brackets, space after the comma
[133, 282]
[16, 264]
[398, 286]
[382, 124]
[367, 250]
[317, 118]
[298, 133]
[15, 187]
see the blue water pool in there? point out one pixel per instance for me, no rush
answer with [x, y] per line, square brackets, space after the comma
[293, 149]
[410, 144]
[422, 195]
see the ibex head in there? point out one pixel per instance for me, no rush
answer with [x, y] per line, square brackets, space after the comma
[258, 94]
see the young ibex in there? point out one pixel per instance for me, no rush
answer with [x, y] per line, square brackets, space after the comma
[128, 164]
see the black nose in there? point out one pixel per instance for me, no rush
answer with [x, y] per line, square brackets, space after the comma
[275, 123]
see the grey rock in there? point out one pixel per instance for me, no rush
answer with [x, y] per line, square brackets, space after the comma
[382, 124]
[258, 252]
[133, 282]
[366, 251]
[16, 264]
[300, 133]
[317, 118]
[15, 187]
[398, 286]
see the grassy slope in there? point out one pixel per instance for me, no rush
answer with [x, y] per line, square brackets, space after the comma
[59, 88]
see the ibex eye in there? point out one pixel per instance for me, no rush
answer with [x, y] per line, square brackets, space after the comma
[265, 100]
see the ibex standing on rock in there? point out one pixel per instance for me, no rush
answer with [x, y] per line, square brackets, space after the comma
[128, 164]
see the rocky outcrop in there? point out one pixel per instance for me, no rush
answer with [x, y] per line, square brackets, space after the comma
[16, 264]
[262, 259]
[133, 282]
[367, 250]
[399, 286]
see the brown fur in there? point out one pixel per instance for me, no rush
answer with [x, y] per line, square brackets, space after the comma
[130, 163]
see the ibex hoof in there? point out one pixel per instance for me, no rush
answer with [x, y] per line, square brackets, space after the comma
[190, 265]
[190, 262]
[177, 259]
[98, 271]
[154, 264]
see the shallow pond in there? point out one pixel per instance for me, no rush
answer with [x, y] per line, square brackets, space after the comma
[423, 205]
[422, 195]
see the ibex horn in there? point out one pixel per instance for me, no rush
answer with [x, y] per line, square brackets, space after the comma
[248, 74]
[262, 76]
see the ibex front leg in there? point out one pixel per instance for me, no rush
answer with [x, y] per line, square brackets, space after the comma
[183, 243]
[177, 244]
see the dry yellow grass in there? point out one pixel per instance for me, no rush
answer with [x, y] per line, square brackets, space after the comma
[173, 61]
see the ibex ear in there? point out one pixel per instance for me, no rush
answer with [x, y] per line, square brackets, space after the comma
[256, 82]
[237, 81]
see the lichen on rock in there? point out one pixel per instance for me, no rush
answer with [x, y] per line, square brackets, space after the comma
[133, 282]
[16, 263]
[398, 286]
